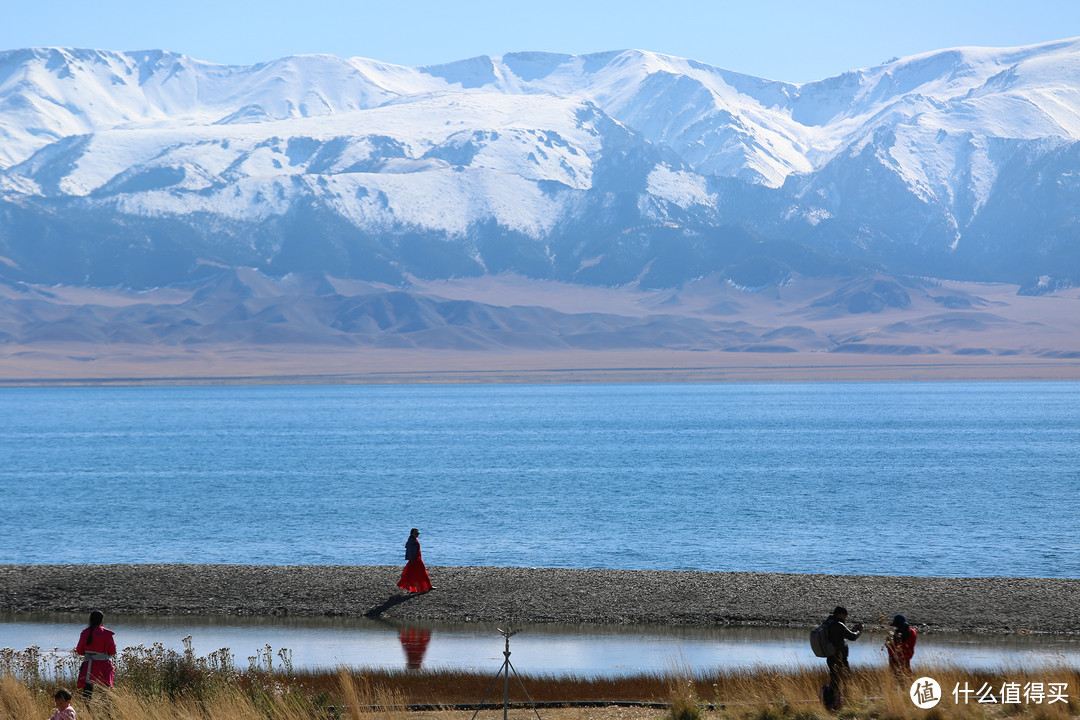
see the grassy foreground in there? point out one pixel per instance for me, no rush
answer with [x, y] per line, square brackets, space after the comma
[159, 684]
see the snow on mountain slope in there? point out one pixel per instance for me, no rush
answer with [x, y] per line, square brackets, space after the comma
[51, 93]
[624, 161]
[947, 120]
[406, 129]
[724, 123]
[436, 161]
[720, 122]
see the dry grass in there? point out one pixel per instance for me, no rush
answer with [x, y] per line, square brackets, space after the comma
[156, 685]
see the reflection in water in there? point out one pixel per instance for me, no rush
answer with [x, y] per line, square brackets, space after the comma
[414, 642]
[605, 650]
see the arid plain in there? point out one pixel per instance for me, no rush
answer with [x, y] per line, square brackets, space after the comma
[243, 327]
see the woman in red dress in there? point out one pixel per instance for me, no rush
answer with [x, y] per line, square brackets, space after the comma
[97, 648]
[414, 577]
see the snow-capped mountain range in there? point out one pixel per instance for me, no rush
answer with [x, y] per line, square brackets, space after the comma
[146, 168]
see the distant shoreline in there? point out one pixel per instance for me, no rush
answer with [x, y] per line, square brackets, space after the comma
[539, 595]
[60, 367]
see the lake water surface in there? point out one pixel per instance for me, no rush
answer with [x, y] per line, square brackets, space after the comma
[956, 479]
[555, 649]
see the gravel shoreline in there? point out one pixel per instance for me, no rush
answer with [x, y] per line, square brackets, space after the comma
[537, 595]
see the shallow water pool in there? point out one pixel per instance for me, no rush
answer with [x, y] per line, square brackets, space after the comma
[553, 649]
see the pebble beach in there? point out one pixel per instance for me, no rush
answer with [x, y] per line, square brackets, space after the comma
[539, 595]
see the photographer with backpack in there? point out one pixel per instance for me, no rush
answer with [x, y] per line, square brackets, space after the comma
[829, 640]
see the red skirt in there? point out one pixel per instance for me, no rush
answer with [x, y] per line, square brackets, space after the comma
[414, 577]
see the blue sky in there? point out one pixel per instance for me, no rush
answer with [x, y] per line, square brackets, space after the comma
[793, 40]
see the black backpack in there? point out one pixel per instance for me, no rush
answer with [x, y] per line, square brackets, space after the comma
[819, 641]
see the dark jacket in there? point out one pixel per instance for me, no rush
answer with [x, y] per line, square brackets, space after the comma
[412, 549]
[839, 634]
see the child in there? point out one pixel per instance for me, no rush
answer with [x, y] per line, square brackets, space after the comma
[64, 711]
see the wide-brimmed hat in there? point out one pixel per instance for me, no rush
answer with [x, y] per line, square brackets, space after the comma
[899, 621]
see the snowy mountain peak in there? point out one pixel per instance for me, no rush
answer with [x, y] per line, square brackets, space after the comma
[537, 149]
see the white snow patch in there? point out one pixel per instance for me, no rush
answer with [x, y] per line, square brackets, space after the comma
[680, 187]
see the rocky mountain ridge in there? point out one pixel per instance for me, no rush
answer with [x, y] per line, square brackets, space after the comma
[148, 168]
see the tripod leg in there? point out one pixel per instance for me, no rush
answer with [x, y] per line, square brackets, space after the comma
[527, 697]
[492, 685]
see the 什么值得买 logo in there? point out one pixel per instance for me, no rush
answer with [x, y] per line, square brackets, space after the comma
[925, 693]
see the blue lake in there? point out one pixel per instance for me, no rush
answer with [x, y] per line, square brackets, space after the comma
[959, 479]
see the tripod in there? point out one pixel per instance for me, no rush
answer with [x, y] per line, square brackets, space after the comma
[504, 671]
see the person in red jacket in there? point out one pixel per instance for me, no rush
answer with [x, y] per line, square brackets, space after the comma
[901, 646]
[97, 648]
